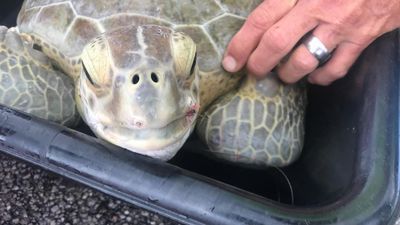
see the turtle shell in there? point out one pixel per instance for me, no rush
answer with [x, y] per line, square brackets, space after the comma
[67, 26]
[70, 24]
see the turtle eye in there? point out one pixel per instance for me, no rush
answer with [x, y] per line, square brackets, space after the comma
[87, 74]
[193, 64]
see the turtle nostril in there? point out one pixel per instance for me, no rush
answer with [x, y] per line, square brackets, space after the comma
[135, 79]
[154, 77]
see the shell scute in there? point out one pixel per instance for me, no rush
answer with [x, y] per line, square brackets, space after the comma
[189, 12]
[223, 29]
[240, 8]
[122, 20]
[81, 32]
[174, 11]
[207, 55]
[40, 3]
[26, 19]
[58, 17]
[97, 8]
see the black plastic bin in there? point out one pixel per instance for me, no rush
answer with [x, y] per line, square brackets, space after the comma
[347, 174]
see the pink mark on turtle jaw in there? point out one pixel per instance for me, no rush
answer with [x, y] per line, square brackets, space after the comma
[192, 111]
[190, 116]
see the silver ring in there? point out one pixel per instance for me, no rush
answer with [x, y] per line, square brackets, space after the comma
[317, 48]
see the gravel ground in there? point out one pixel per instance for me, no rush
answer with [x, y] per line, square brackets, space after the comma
[30, 195]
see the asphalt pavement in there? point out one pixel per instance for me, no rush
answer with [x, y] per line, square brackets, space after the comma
[31, 195]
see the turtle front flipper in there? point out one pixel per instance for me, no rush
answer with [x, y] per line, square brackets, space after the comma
[28, 81]
[260, 124]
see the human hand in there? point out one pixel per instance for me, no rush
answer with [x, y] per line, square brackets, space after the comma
[272, 30]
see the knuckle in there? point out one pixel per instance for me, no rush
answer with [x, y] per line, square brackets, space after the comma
[261, 18]
[286, 76]
[287, 79]
[255, 68]
[237, 49]
[341, 17]
[304, 64]
[276, 41]
[352, 18]
[363, 41]
[338, 74]
[347, 23]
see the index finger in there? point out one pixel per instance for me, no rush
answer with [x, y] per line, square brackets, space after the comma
[247, 38]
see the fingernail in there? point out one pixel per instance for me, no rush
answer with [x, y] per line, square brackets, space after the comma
[229, 63]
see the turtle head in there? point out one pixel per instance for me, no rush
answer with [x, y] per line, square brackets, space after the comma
[138, 89]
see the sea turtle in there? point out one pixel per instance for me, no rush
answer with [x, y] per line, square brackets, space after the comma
[145, 72]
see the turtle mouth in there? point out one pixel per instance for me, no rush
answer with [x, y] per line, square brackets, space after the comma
[162, 142]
